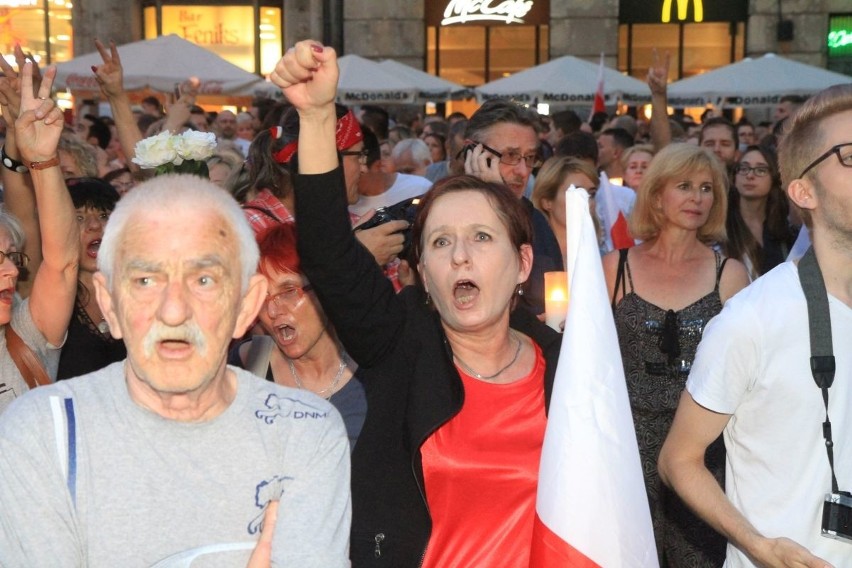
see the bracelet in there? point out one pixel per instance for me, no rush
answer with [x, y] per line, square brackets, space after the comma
[43, 165]
[12, 164]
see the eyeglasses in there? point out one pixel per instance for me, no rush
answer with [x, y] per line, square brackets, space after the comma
[289, 297]
[512, 158]
[759, 171]
[845, 159]
[19, 259]
[362, 155]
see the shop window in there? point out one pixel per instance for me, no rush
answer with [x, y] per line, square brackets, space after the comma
[47, 34]
[474, 55]
[693, 48]
[248, 35]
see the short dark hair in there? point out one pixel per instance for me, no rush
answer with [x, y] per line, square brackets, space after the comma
[578, 144]
[100, 130]
[376, 119]
[567, 121]
[620, 136]
[506, 204]
[497, 111]
[719, 121]
[92, 192]
[371, 146]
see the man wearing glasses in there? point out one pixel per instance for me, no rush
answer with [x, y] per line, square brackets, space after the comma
[502, 146]
[785, 410]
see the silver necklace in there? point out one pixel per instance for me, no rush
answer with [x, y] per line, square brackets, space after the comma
[473, 373]
[329, 389]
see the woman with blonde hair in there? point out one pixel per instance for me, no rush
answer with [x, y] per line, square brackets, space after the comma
[664, 291]
[554, 177]
[635, 161]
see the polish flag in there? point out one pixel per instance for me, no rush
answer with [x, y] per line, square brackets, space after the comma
[612, 201]
[591, 509]
[599, 105]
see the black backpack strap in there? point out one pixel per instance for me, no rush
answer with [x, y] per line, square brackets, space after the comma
[619, 276]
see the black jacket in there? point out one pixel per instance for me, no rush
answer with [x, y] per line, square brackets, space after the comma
[411, 382]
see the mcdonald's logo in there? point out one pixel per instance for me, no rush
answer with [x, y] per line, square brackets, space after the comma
[682, 5]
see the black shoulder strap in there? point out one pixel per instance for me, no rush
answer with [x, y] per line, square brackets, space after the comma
[720, 266]
[619, 276]
[822, 352]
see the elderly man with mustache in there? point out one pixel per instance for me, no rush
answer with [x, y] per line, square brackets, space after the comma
[171, 455]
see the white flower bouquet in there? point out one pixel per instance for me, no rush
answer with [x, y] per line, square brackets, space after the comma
[176, 153]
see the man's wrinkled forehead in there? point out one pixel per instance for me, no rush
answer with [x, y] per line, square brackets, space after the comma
[511, 136]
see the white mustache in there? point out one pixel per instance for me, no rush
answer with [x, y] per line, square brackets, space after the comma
[189, 332]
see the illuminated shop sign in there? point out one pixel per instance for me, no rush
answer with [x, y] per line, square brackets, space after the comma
[487, 12]
[686, 11]
[840, 36]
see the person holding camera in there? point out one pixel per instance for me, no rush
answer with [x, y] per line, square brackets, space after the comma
[784, 402]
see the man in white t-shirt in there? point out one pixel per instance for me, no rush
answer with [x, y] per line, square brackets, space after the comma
[752, 379]
[382, 189]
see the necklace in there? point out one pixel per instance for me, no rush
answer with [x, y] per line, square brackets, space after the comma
[329, 389]
[473, 373]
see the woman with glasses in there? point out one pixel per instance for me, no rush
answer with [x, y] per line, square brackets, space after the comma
[300, 349]
[89, 345]
[664, 291]
[759, 232]
[33, 329]
[446, 467]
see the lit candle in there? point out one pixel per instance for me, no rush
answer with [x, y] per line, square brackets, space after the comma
[555, 298]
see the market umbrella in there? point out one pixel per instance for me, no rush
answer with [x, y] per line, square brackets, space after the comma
[757, 82]
[429, 87]
[363, 81]
[158, 64]
[565, 81]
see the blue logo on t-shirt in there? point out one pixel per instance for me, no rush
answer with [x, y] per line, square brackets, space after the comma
[287, 407]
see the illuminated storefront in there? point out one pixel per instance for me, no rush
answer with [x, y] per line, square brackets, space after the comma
[246, 33]
[472, 42]
[42, 27]
[839, 43]
[699, 35]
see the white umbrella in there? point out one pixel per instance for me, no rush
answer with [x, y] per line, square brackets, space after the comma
[429, 87]
[363, 81]
[565, 81]
[752, 83]
[159, 64]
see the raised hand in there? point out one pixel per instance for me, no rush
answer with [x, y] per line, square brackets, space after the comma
[10, 87]
[40, 122]
[307, 75]
[110, 75]
[658, 74]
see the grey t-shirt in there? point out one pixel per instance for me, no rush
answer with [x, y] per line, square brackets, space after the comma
[12, 384]
[89, 478]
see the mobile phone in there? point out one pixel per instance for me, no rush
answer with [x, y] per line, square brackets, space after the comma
[469, 148]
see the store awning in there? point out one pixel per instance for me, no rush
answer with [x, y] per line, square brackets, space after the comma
[158, 64]
[364, 81]
[566, 81]
[757, 82]
[429, 87]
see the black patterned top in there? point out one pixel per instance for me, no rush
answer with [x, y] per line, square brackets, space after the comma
[657, 349]
[86, 348]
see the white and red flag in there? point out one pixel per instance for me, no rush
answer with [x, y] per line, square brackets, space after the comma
[592, 509]
[599, 104]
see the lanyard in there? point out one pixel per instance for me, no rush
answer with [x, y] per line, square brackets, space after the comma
[822, 353]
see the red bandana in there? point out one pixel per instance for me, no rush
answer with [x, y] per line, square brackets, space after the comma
[348, 134]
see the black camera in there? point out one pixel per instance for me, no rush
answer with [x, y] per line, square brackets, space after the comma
[403, 211]
[837, 517]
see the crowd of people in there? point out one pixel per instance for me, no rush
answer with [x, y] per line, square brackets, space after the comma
[329, 347]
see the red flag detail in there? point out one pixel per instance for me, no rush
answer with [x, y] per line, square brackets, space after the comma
[620, 233]
[550, 551]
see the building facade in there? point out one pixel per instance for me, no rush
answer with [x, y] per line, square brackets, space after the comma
[466, 41]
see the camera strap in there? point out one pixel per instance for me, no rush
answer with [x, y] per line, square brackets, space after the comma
[822, 352]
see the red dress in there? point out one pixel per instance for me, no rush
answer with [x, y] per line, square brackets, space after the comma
[481, 472]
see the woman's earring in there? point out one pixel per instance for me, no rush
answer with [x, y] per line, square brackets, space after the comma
[520, 290]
